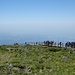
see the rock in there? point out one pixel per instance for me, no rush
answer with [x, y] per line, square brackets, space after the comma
[10, 66]
[40, 70]
[65, 57]
[15, 68]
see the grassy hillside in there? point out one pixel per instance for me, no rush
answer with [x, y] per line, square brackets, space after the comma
[36, 60]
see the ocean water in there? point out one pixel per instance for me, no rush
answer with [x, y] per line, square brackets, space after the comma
[21, 39]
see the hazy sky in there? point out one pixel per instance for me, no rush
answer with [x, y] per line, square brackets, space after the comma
[51, 17]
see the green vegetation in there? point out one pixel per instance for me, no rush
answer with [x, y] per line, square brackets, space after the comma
[36, 60]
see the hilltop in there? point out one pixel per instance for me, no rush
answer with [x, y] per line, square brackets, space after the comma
[36, 60]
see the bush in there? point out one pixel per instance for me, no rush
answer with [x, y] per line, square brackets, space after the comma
[53, 49]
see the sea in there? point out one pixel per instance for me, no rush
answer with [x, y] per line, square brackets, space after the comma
[21, 39]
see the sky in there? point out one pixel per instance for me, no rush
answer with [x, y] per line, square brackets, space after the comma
[41, 17]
